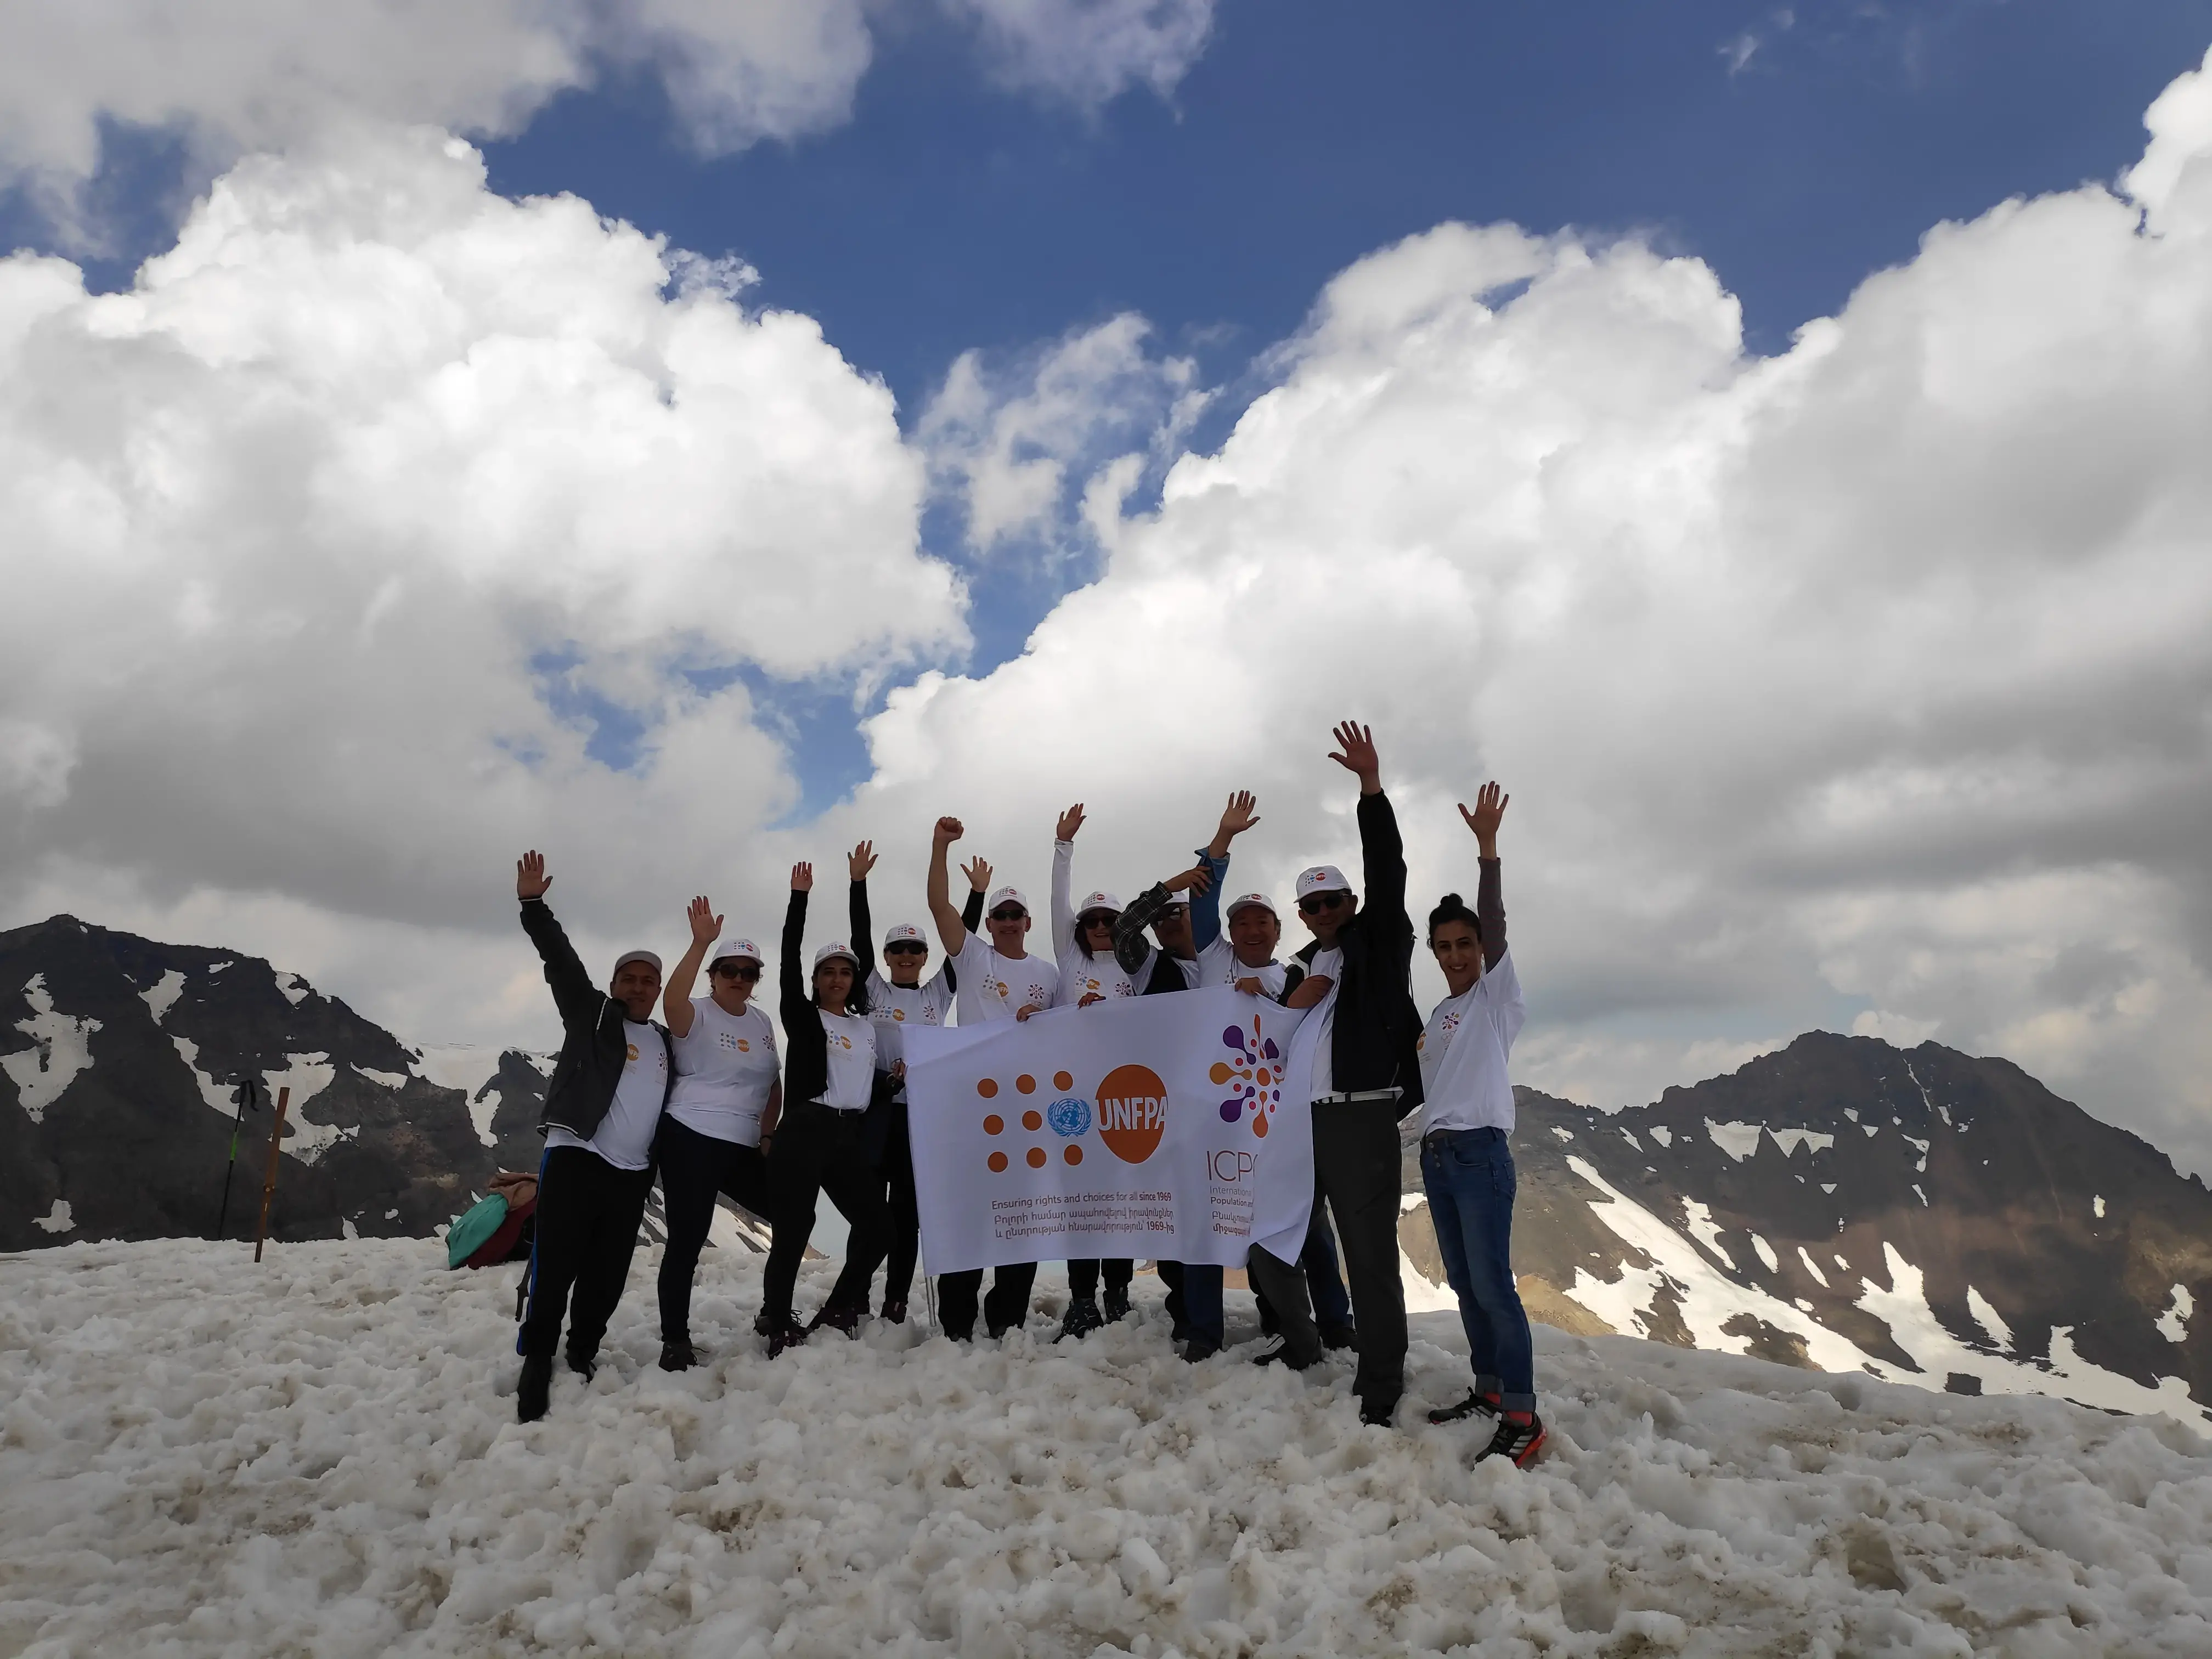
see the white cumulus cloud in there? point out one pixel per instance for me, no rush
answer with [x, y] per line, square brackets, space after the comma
[1088, 52]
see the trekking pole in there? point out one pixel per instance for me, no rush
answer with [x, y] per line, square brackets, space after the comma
[929, 1296]
[243, 1098]
[269, 1180]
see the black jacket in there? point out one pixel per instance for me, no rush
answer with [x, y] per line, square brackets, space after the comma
[595, 1044]
[806, 1045]
[1372, 1043]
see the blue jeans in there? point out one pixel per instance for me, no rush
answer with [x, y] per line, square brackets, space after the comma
[1468, 1176]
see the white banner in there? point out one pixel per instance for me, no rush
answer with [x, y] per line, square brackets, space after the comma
[1148, 1126]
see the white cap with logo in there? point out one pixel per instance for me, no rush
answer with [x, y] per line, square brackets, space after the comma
[1101, 900]
[730, 949]
[834, 948]
[1248, 901]
[1007, 896]
[647, 957]
[1322, 878]
[904, 933]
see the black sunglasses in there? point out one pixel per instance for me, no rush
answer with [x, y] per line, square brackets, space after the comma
[1098, 918]
[906, 948]
[738, 969]
[1314, 903]
[1008, 913]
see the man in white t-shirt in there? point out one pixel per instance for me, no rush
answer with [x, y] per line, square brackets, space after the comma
[999, 980]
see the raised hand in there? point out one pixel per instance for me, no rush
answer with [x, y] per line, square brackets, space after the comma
[1069, 822]
[802, 878]
[1356, 746]
[1490, 803]
[531, 880]
[978, 872]
[1193, 881]
[706, 926]
[948, 831]
[861, 859]
[1238, 816]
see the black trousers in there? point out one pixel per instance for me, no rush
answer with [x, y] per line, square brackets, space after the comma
[588, 1214]
[1195, 1302]
[693, 1169]
[819, 1150]
[1356, 1155]
[905, 1215]
[1006, 1307]
[1082, 1277]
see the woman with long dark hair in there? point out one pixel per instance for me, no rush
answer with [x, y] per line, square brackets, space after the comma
[830, 1081]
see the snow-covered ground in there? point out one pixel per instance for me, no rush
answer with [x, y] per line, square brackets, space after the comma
[320, 1456]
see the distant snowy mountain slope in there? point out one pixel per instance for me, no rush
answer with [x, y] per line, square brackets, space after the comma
[1925, 1216]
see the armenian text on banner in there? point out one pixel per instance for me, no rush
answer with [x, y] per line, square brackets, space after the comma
[1147, 1127]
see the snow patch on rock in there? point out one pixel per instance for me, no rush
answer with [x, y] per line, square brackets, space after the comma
[1704, 1229]
[1738, 1140]
[293, 989]
[1663, 1135]
[2173, 1323]
[162, 995]
[57, 1219]
[1991, 1322]
[1767, 1254]
[1812, 1266]
[61, 1047]
[1790, 1140]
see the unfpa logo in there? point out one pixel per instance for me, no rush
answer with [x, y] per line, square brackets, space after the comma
[1253, 1075]
[1132, 1112]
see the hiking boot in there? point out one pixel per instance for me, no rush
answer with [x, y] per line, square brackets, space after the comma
[1339, 1336]
[1378, 1411]
[534, 1393]
[895, 1313]
[1487, 1404]
[1200, 1349]
[1521, 1436]
[1281, 1353]
[1082, 1318]
[678, 1355]
[585, 1365]
[1117, 1303]
[847, 1320]
[781, 1333]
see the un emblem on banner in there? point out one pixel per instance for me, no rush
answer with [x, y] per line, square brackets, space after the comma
[1070, 1116]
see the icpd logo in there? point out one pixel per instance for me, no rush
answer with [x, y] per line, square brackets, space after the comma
[1253, 1075]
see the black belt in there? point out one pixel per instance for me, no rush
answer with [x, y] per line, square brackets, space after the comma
[1438, 1137]
[1358, 1096]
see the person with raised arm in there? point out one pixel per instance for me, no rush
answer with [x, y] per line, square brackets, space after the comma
[1194, 1299]
[1356, 1056]
[998, 979]
[1467, 1152]
[831, 1080]
[903, 999]
[603, 1106]
[727, 1099]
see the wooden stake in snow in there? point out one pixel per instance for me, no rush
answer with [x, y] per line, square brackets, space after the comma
[269, 1180]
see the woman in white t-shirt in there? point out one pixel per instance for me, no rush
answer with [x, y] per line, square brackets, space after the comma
[833, 1079]
[726, 1100]
[1467, 1154]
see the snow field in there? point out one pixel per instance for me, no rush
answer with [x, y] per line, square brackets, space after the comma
[320, 1457]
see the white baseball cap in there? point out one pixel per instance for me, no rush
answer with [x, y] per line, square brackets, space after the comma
[730, 948]
[1101, 900]
[903, 932]
[1322, 878]
[1008, 895]
[834, 948]
[1245, 901]
[628, 957]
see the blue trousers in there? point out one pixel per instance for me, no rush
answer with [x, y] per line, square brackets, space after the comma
[1468, 1175]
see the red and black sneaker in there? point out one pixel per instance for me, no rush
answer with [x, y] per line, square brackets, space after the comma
[1521, 1436]
[1488, 1405]
[847, 1320]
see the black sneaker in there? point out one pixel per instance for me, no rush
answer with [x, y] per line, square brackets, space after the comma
[1486, 1404]
[847, 1320]
[1521, 1442]
[1199, 1349]
[1339, 1336]
[1117, 1303]
[534, 1393]
[1378, 1411]
[678, 1355]
[1279, 1353]
[585, 1365]
[781, 1333]
[1082, 1318]
[895, 1313]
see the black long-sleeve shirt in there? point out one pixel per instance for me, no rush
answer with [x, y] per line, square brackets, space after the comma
[1376, 1023]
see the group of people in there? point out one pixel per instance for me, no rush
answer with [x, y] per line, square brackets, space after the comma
[706, 1101]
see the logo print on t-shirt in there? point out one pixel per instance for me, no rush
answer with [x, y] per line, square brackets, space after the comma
[1252, 1073]
[898, 1014]
[633, 1051]
[744, 1046]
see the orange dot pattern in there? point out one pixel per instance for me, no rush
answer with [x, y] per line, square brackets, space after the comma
[1073, 1154]
[1025, 1083]
[994, 1125]
[988, 1088]
[1036, 1157]
[1063, 1081]
[1033, 1121]
[998, 1163]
